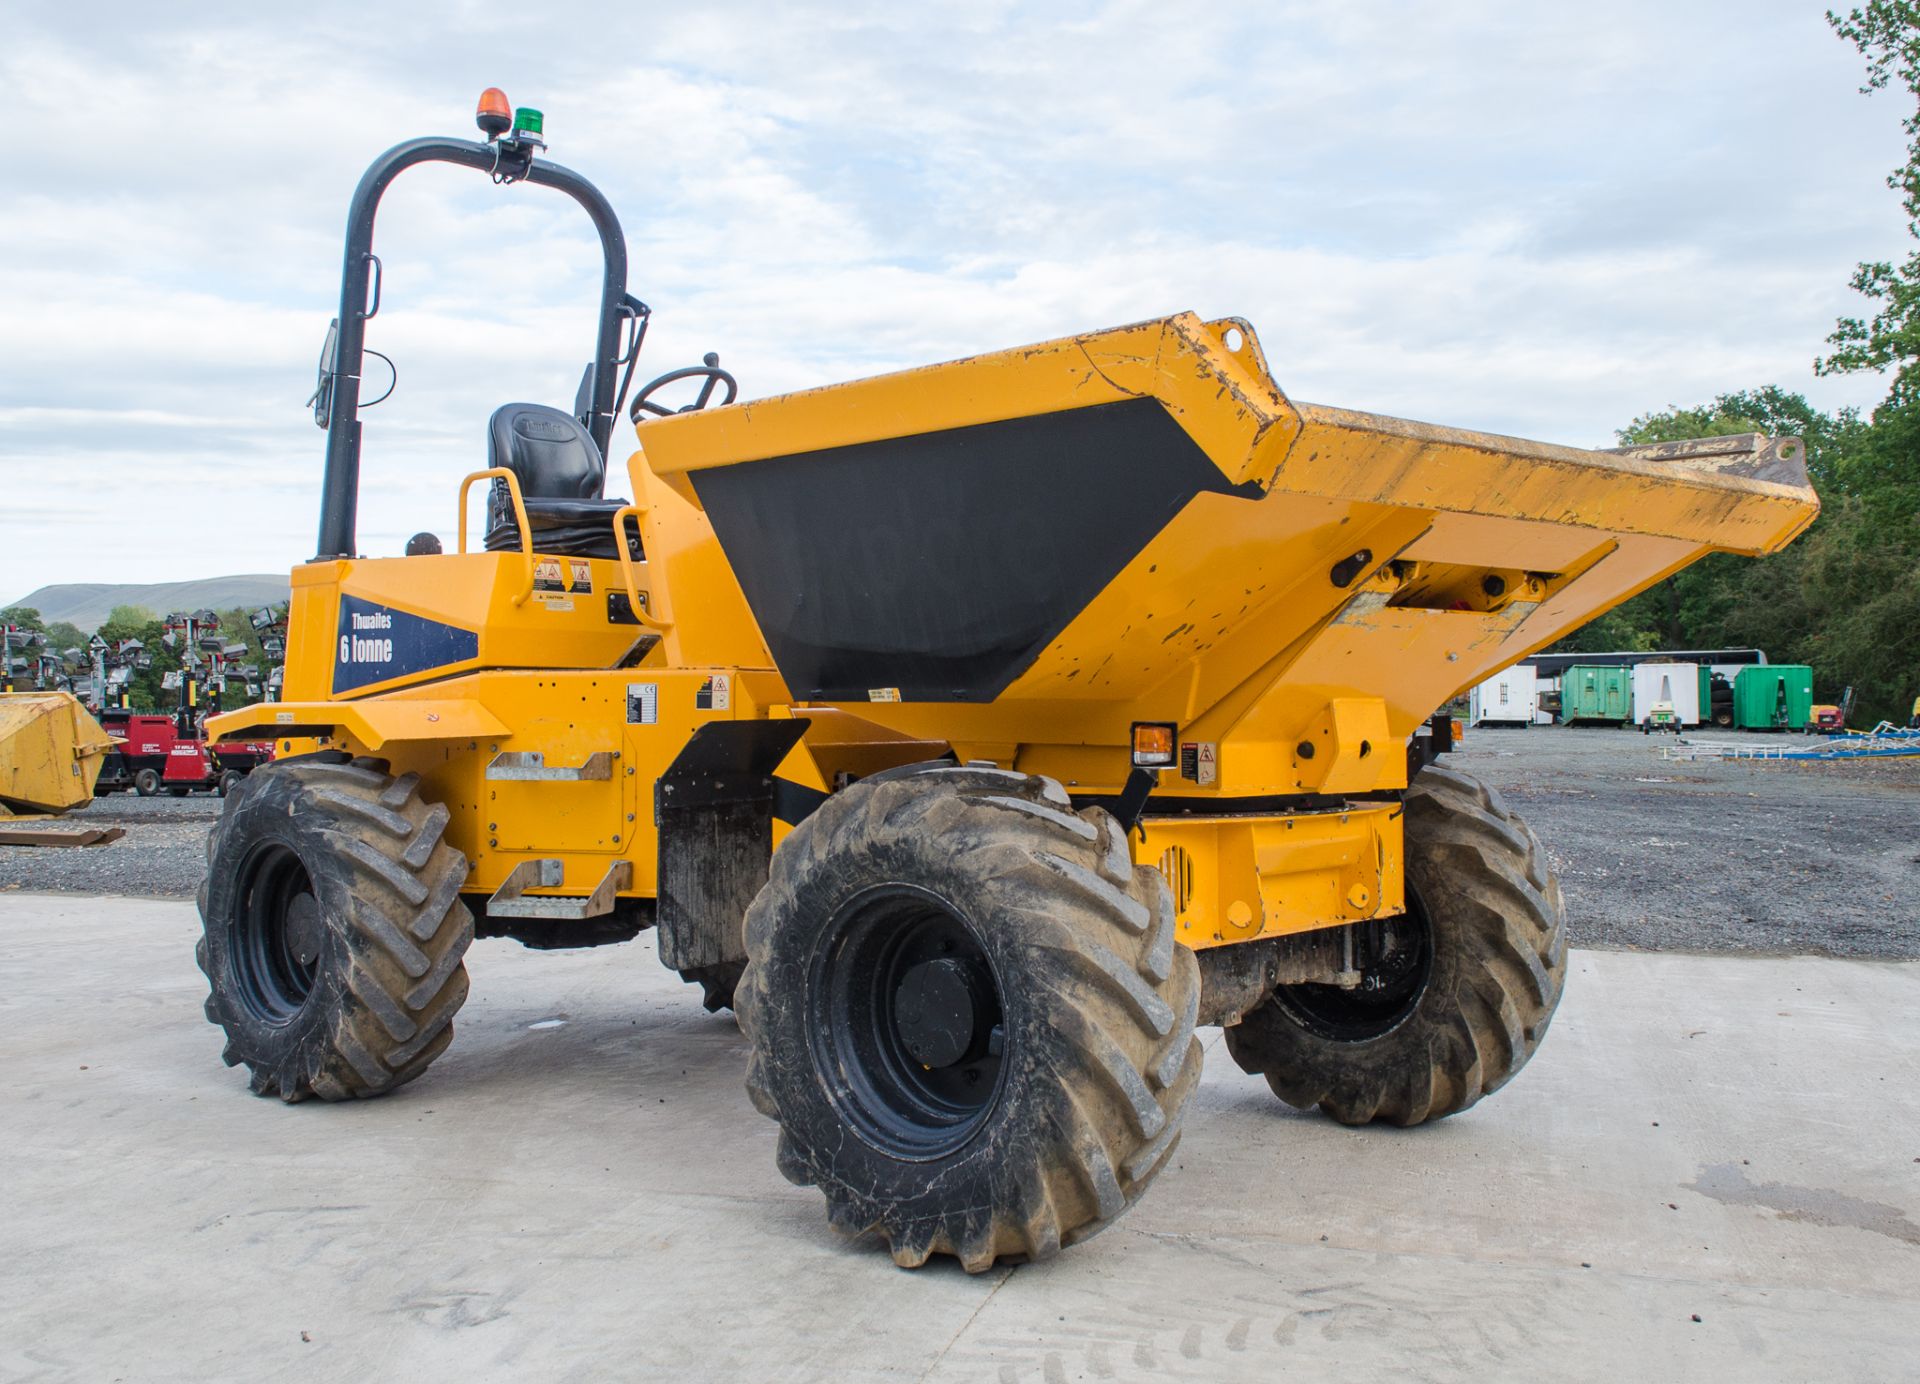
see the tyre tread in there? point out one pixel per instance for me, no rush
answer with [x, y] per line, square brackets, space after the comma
[380, 854]
[1511, 941]
[1097, 935]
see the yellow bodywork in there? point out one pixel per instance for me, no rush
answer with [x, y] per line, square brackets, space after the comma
[1332, 579]
[51, 750]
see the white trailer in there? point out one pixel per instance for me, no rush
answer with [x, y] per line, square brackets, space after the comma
[1509, 698]
[1675, 684]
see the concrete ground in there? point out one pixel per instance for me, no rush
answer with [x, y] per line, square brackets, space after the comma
[1712, 1171]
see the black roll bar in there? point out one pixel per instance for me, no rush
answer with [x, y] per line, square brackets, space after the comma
[340, 490]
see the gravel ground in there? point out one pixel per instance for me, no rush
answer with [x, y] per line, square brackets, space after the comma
[161, 856]
[1743, 856]
[1654, 855]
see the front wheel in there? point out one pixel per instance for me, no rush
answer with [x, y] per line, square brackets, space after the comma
[1462, 987]
[967, 1010]
[146, 782]
[333, 931]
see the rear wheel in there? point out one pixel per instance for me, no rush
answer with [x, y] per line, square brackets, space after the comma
[333, 932]
[146, 782]
[1461, 989]
[967, 1010]
[229, 780]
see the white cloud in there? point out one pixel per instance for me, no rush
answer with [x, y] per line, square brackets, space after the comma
[1522, 220]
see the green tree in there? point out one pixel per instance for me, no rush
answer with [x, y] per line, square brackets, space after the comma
[1621, 629]
[1884, 468]
[63, 635]
[1864, 573]
[1845, 598]
[1724, 601]
[1887, 33]
[130, 622]
[144, 692]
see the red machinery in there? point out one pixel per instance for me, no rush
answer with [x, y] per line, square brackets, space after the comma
[168, 750]
[152, 755]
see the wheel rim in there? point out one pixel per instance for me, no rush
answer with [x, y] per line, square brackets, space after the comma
[1389, 991]
[907, 1022]
[276, 935]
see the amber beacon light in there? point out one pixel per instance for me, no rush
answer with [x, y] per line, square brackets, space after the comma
[494, 114]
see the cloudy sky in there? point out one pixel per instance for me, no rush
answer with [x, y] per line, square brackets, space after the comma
[1537, 219]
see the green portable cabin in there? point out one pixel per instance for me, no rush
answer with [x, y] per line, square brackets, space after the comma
[1595, 694]
[1773, 696]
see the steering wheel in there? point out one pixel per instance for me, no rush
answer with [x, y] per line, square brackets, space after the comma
[709, 370]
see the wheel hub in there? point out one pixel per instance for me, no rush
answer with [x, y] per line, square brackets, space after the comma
[304, 928]
[938, 1010]
[276, 934]
[908, 1013]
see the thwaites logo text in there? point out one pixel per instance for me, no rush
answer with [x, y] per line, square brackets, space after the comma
[378, 643]
[370, 647]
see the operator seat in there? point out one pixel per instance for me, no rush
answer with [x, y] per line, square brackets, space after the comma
[560, 473]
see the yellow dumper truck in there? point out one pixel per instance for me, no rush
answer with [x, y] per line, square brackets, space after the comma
[976, 732]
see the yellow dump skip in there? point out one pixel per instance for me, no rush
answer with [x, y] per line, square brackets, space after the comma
[50, 752]
[1138, 524]
[1222, 396]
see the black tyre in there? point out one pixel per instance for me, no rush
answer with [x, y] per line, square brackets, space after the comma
[968, 1012]
[333, 929]
[1463, 987]
[717, 983]
[229, 780]
[146, 782]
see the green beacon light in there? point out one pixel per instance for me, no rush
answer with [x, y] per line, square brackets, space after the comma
[528, 126]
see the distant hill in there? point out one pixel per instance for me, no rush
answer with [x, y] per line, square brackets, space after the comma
[86, 604]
